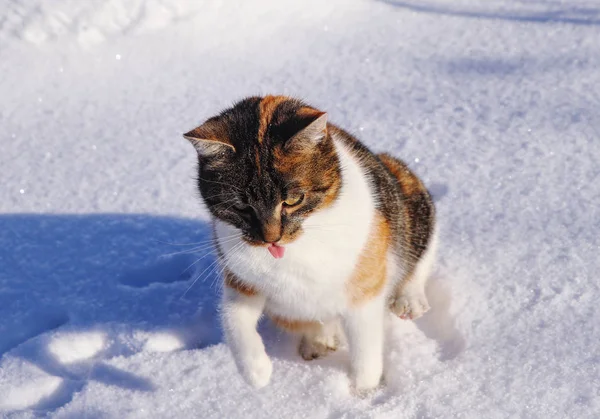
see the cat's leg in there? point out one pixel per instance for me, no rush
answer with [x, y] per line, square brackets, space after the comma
[316, 338]
[239, 315]
[320, 339]
[364, 331]
[409, 300]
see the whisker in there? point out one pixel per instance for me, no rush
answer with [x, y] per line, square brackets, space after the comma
[198, 277]
[220, 183]
[222, 268]
[225, 202]
[185, 244]
[194, 243]
[225, 210]
[198, 260]
[203, 247]
[216, 195]
[327, 225]
[207, 268]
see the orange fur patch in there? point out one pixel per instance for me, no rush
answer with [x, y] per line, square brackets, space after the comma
[291, 164]
[308, 112]
[370, 273]
[295, 326]
[235, 283]
[409, 182]
[267, 107]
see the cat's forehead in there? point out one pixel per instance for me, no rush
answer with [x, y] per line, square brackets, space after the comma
[275, 143]
[266, 121]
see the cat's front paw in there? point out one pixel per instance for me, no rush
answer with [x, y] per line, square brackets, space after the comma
[410, 306]
[366, 382]
[257, 370]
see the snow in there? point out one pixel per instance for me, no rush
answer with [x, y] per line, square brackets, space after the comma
[24, 395]
[75, 347]
[493, 103]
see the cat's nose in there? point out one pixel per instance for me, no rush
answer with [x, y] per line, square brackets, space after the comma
[271, 231]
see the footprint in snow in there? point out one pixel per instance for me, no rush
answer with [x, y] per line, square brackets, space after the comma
[69, 348]
[58, 366]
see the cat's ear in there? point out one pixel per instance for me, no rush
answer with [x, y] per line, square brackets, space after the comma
[313, 132]
[209, 138]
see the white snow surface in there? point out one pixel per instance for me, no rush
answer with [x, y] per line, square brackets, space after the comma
[493, 103]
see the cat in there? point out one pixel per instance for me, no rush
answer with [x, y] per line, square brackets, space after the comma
[312, 229]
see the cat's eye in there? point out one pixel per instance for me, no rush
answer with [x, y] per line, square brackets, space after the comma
[293, 200]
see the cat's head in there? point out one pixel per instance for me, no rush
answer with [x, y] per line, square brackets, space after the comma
[265, 165]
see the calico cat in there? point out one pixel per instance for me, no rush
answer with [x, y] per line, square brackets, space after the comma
[312, 229]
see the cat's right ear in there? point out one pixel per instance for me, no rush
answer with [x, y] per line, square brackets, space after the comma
[209, 138]
[313, 130]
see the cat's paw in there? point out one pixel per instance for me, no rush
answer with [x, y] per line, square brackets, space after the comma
[410, 306]
[257, 370]
[366, 383]
[310, 349]
[367, 374]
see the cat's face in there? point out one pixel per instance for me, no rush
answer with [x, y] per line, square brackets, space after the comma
[265, 165]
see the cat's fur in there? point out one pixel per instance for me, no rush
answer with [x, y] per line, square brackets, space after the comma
[360, 241]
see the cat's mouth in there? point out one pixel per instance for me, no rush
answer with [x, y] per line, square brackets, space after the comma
[276, 250]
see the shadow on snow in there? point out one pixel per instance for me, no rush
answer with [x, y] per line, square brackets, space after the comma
[534, 12]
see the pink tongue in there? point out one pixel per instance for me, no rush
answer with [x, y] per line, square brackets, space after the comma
[276, 251]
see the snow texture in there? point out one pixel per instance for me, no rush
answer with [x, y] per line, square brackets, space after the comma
[493, 103]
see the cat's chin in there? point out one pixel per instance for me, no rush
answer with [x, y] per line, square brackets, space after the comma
[277, 250]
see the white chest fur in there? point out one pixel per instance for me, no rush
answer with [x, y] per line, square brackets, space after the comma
[310, 281]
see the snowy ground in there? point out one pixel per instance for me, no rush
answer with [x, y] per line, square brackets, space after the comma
[494, 103]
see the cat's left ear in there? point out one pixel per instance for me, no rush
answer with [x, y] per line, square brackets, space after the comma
[209, 138]
[314, 131]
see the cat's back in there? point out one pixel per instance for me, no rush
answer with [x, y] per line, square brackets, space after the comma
[400, 196]
[417, 206]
